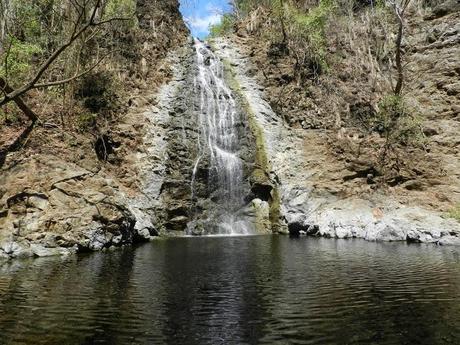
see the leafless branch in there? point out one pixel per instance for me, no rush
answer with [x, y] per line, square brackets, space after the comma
[68, 80]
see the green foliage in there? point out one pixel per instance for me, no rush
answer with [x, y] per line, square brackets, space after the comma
[30, 21]
[391, 109]
[86, 121]
[34, 29]
[297, 29]
[122, 9]
[243, 6]
[397, 123]
[16, 61]
[246, 6]
[98, 92]
[224, 27]
[27, 13]
[3, 117]
[9, 114]
[29, 36]
[308, 31]
[454, 213]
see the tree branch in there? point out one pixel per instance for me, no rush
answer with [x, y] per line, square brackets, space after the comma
[75, 35]
[399, 10]
[68, 80]
[21, 105]
[111, 20]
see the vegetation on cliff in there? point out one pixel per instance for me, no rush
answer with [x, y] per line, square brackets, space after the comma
[73, 64]
[85, 70]
[299, 30]
[361, 76]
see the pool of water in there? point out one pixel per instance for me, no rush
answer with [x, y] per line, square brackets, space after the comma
[236, 290]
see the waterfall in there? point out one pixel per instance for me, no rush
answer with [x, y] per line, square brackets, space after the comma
[219, 147]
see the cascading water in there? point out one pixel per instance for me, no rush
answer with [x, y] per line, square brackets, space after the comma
[219, 148]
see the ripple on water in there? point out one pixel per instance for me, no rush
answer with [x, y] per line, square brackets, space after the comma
[236, 290]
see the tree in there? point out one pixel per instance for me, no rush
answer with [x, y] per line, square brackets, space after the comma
[399, 8]
[84, 23]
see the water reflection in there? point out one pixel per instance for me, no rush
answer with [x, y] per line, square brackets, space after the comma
[256, 290]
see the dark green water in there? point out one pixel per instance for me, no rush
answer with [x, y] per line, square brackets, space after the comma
[237, 290]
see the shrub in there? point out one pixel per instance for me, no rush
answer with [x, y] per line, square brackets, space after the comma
[97, 90]
[224, 27]
[454, 213]
[300, 29]
[306, 33]
[86, 121]
[396, 122]
[121, 8]
[399, 128]
[16, 62]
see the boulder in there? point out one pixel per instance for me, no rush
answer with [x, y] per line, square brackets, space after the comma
[52, 206]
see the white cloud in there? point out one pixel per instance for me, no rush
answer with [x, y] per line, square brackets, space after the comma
[201, 24]
[212, 8]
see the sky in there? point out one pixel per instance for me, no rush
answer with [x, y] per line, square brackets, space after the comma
[199, 14]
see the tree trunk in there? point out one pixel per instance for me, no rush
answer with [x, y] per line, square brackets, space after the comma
[399, 68]
[283, 26]
[21, 105]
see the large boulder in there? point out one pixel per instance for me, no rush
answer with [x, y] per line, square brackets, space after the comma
[51, 207]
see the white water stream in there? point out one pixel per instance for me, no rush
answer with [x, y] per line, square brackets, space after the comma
[219, 143]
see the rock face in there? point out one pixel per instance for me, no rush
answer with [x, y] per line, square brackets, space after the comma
[161, 29]
[171, 141]
[62, 208]
[306, 207]
[58, 197]
[179, 176]
[52, 205]
[325, 115]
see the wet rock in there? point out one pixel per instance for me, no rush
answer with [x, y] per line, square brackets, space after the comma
[16, 250]
[385, 232]
[41, 251]
[261, 216]
[3, 256]
[177, 223]
[331, 192]
[344, 232]
[262, 191]
[449, 241]
[297, 228]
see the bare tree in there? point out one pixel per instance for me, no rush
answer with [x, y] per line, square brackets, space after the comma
[399, 8]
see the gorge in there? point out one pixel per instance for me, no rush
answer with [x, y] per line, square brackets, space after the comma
[265, 185]
[205, 153]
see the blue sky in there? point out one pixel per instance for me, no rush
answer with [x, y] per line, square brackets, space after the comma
[199, 14]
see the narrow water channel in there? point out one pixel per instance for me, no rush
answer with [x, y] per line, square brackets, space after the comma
[236, 290]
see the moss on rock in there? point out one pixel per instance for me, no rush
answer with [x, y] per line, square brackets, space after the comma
[260, 175]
